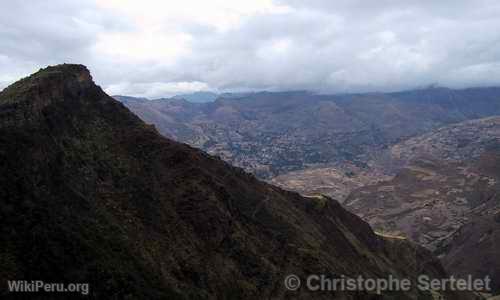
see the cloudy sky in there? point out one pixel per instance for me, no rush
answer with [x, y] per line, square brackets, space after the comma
[157, 48]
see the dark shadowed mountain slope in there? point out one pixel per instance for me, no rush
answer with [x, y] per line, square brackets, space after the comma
[474, 249]
[89, 193]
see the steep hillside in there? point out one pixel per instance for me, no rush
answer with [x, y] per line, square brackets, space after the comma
[92, 194]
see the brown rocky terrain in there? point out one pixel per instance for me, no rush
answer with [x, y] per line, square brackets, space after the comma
[330, 181]
[447, 201]
[460, 142]
[93, 194]
[426, 201]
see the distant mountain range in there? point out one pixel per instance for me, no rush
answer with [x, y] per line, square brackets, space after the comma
[198, 97]
[271, 134]
[195, 97]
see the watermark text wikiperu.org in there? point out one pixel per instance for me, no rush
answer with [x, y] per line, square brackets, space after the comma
[322, 282]
[38, 286]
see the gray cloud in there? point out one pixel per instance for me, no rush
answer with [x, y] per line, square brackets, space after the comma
[319, 45]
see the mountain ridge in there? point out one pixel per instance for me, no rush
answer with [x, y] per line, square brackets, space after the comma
[96, 195]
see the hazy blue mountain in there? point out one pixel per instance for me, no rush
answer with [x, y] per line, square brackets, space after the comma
[198, 97]
[128, 99]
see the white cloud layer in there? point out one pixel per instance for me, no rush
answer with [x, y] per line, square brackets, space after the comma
[157, 48]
